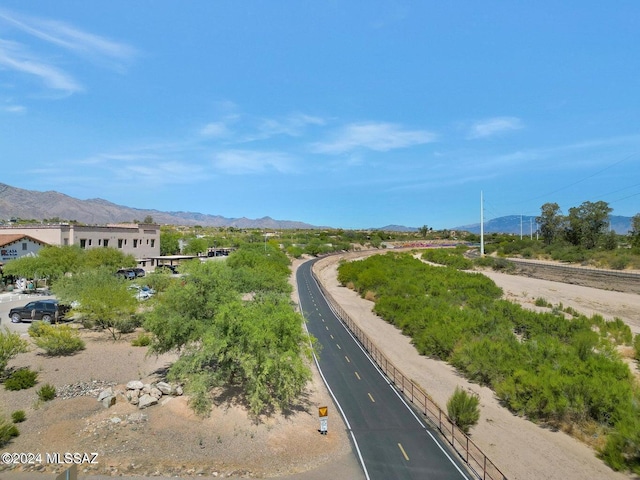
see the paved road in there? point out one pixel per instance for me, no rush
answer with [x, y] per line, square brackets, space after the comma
[8, 301]
[394, 442]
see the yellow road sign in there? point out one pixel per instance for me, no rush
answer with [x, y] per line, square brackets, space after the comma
[323, 411]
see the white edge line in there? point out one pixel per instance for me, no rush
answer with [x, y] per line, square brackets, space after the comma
[344, 417]
[386, 378]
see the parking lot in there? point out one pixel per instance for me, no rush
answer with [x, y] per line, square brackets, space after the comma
[8, 300]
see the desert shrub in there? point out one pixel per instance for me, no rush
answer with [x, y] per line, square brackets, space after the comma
[142, 340]
[463, 409]
[8, 431]
[485, 261]
[18, 416]
[21, 379]
[35, 329]
[636, 347]
[47, 392]
[58, 340]
[620, 262]
[128, 325]
[451, 258]
[502, 265]
[541, 302]
[10, 345]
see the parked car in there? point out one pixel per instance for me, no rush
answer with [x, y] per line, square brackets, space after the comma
[139, 272]
[127, 273]
[49, 311]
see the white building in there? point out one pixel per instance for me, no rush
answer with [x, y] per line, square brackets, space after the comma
[140, 240]
[16, 245]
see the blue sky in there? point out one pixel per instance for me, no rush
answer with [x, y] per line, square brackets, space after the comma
[349, 114]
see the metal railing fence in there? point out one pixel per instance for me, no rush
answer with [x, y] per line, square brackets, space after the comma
[477, 461]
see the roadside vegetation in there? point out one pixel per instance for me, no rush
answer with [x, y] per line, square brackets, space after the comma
[582, 236]
[563, 372]
[235, 328]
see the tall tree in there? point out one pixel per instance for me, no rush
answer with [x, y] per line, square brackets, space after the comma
[588, 223]
[550, 221]
[635, 230]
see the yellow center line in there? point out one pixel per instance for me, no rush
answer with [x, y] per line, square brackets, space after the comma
[347, 359]
[406, 457]
[371, 397]
[357, 376]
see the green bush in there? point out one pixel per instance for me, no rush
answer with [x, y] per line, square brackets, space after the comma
[47, 392]
[636, 347]
[18, 416]
[10, 345]
[21, 379]
[463, 409]
[8, 431]
[541, 302]
[142, 340]
[35, 329]
[58, 340]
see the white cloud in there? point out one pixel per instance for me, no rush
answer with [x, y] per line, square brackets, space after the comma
[68, 37]
[380, 137]
[15, 109]
[215, 130]
[17, 57]
[14, 57]
[494, 126]
[237, 162]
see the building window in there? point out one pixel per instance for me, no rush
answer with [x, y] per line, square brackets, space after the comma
[83, 243]
[66, 241]
[135, 243]
[119, 243]
[89, 242]
[24, 246]
[153, 242]
[99, 241]
[105, 242]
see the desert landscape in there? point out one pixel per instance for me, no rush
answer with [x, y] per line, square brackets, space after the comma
[168, 440]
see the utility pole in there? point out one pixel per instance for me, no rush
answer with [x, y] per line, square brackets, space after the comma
[481, 226]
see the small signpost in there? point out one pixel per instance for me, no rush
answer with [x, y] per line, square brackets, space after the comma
[323, 413]
[70, 473]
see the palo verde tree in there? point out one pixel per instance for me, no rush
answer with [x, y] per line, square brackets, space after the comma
[225, 340]
[100, 298]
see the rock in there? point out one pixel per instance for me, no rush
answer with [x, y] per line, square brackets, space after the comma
[178, 390]
[109, 402]
[146, 388]
[116, 420]
[155, 393]
[165, 388]
[107, 392]
[135, 385]
[147, 400]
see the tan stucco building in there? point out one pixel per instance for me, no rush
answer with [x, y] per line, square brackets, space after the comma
[140, 240]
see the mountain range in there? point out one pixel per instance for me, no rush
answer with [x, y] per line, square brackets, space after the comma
[31, 204]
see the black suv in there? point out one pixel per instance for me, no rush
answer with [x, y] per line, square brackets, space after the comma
[48, 311]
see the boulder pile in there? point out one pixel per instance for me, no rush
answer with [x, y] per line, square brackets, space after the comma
[137, 393]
